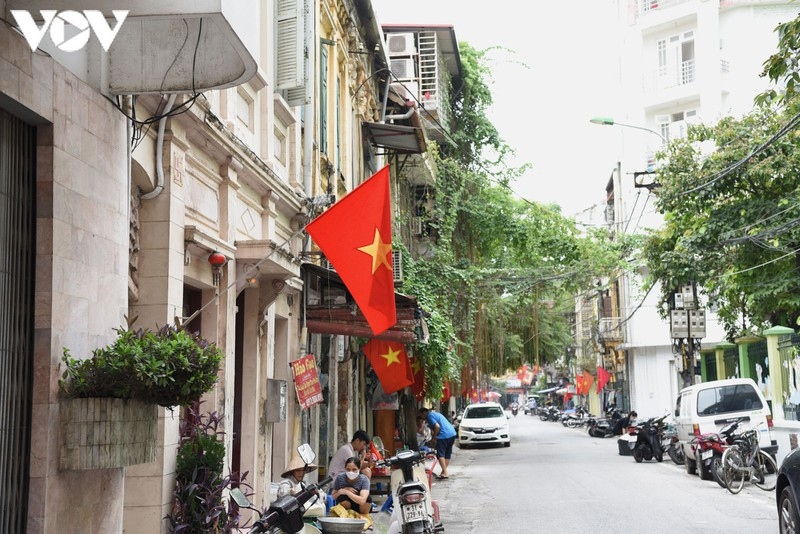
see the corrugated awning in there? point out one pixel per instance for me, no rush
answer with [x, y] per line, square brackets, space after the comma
[344, 318]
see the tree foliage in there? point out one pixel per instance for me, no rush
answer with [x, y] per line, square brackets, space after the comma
[500, 282]
[731, 220]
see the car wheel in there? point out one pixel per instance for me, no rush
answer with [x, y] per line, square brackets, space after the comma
[788, 518]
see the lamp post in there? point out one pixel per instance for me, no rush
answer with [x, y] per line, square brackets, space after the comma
[608, 121]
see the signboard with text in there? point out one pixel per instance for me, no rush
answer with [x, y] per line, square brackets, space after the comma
[306, 381]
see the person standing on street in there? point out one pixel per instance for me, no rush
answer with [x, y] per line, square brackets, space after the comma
[445, 436]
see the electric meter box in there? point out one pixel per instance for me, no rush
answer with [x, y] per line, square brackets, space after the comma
[275, 405]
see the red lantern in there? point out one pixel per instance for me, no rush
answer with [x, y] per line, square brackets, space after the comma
[217, 261]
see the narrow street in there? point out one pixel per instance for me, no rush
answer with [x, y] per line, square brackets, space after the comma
[556, 479]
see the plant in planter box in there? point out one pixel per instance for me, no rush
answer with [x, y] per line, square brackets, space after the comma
[197, 505]
[169, 367]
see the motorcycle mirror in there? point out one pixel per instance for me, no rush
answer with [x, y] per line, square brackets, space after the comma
[306, 453]
[240, 498]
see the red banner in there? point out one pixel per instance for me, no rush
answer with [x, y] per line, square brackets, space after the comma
[306, 381]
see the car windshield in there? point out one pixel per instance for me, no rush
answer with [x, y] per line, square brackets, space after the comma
[726, 399]
[483, 412]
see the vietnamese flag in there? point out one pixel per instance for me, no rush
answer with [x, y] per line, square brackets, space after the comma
[390, 361]
[355, 234]
[418, 387]
[579, 384]
[587, 381]
[603, 377]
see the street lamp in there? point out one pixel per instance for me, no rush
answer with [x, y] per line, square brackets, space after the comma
[608, 121]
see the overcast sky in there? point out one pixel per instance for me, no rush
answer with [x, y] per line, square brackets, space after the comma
[552, 72]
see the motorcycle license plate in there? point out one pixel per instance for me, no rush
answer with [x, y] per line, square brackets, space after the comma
[705, 455]
[414, 512]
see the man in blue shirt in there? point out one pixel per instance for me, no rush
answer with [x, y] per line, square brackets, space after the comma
[445, 435]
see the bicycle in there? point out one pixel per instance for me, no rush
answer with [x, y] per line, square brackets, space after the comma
[744, 461]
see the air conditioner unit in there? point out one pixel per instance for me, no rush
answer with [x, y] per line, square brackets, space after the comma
[402, 68]
[401, 44]
[416, 225]
[397, 267]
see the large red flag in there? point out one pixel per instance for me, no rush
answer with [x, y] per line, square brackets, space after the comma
[603, 377]
[355, 234]
[390, 361]
[579, 384]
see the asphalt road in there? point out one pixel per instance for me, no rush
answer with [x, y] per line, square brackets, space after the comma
[556, 479]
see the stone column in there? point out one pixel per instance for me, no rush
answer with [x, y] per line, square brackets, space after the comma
[775, 397]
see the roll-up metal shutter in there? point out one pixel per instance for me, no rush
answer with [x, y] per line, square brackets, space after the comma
[17, 235]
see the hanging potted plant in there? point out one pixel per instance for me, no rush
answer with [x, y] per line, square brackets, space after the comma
[110, 407]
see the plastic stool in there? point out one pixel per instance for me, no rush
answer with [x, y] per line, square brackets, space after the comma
[387, 506]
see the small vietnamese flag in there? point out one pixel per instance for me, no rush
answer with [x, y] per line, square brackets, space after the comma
[587, 381]
[355, 234]
[390, 361]
[603, 377]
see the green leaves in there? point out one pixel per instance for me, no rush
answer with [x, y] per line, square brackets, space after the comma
[169, 367]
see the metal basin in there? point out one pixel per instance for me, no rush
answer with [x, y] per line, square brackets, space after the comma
[341, 525]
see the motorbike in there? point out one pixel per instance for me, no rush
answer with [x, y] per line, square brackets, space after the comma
[709, 449]
[285, 514]
[576, 418]
[648, 440]
[603, 427]
[671, 444]
[413, 506]
[514, 410]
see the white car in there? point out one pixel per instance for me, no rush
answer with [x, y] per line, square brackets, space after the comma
[485, 422]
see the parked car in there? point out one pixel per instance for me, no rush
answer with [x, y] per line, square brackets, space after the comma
[707, 407]
[485, 422]
[787, 493]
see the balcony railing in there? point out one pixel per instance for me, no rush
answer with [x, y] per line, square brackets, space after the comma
[665, 78]
[644, 7]
[610, 329]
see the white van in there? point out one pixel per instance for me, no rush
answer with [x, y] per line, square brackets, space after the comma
[707, 407]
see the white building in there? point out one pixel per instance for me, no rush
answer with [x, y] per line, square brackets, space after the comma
[680, 61]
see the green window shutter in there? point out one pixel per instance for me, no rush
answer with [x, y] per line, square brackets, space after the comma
[323, 99]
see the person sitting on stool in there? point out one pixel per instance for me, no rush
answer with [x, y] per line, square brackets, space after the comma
[351, 488]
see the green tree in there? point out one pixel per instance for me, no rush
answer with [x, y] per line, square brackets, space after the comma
[501, 279]
[731, 220]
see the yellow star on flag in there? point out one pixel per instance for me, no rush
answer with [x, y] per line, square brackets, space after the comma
[416, 366]
[379, 251]
[391, 356]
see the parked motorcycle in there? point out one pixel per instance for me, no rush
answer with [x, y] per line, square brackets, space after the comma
[648, 440]
[286, 513]
[709, 448]
[603, 427]
[413, 506]
[671, 444]
[575, 418]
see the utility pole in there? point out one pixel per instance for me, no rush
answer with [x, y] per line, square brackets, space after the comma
[687, 327]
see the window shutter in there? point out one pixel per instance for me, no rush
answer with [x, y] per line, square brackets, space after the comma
[323, 99]
[292, 52]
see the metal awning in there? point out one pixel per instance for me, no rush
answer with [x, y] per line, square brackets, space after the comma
[403, 139]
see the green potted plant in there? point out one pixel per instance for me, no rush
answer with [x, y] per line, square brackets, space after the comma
[109, 410]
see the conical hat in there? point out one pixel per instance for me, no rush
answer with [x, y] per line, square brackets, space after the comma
[297, 463]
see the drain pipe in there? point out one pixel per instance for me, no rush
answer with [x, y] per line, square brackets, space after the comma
[405, 115]
[162, 124]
